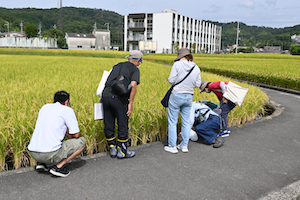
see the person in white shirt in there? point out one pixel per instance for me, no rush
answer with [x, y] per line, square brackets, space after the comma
[205, 122]
[47, 145]
[181, 98]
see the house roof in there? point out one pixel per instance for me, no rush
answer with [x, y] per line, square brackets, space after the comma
[14, 33]
[80, 35]
[102, 30]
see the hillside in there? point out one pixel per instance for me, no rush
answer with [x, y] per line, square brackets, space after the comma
[82, 20]
[74, 20]
[257, 36]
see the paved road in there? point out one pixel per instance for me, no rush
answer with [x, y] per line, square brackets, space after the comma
[259, 160]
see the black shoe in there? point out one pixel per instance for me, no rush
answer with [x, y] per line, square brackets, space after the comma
[62, 172]
[218, 142]
[41, 167]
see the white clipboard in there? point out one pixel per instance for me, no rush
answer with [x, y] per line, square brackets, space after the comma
[98, 111]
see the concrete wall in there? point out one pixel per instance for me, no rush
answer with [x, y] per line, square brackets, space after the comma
[22, 42]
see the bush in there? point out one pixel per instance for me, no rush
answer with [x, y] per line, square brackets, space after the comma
[295, 49]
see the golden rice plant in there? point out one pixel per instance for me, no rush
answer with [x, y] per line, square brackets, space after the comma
[272, 69]
[29, 79]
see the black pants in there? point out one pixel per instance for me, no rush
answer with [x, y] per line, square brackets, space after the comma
[115, 108]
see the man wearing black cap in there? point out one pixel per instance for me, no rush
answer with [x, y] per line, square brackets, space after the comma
[120, 106]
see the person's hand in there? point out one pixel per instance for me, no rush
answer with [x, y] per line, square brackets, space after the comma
[69, 135]
[225, 100]
[130, 107]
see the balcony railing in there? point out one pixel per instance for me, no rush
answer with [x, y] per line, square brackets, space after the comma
[136, 25]
[136, 38]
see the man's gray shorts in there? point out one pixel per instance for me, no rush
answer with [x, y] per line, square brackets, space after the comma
[68, 147]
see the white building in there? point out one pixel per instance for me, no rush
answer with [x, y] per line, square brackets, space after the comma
[79, 41]
[98, 40]
[14, 34]
[102, 39]
[296, 39]
[167, 31]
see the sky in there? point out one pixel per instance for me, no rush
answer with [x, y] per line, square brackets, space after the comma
[267, 13]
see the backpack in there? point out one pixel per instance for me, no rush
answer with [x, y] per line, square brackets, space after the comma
[201, 117]
[214, 106]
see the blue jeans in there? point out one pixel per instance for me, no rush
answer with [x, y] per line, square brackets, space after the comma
[226, 108]
[206, 129]
[182, 103]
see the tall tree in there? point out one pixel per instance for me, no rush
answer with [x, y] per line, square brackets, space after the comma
[57, 34]
[31, 31]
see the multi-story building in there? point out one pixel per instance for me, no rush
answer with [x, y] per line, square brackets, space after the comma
[168, 31]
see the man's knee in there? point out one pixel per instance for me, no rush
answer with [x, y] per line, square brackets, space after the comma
[200, 128]
[82, 141]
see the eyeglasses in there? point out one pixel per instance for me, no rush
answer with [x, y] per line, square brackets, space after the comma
[140, 59]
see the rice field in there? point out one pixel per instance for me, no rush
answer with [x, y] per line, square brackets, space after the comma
[29, 79]
[272, 69]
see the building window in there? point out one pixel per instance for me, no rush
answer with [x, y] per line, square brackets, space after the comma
[79, 46]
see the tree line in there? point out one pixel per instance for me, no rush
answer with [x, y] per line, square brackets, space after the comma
[254, 36]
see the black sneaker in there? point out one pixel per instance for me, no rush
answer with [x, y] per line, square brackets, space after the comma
[62, 172]
[218, 142]
[41, 167]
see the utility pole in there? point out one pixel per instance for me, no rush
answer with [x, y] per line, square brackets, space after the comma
[7, 24]
[60, 13]
[40, 30]
[120, 31]
[107, 26]
[237, 37]
[21, 25]
[108, 39]
[95, 26]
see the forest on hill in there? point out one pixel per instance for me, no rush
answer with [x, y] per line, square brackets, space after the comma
[254, 36]
[82, 20]
[74, 20]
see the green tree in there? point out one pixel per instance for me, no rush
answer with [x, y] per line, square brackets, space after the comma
[57, 34]
[31, 31]
[176, 47]
[295, 49]
[62, 43]
[53, 33]
[194, 48]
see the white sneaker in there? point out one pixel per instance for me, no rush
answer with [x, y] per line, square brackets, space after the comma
[184, 149]
[171, 149]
